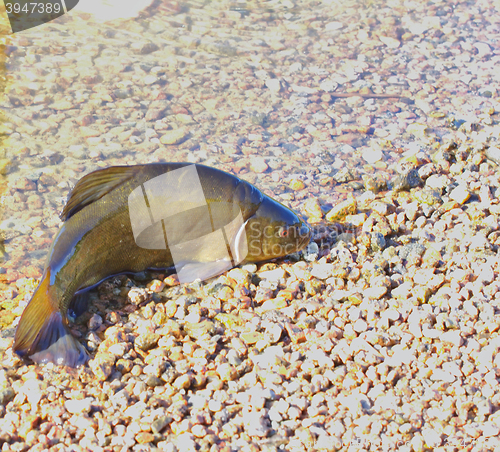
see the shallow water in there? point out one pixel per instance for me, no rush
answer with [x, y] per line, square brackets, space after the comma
[266, 90]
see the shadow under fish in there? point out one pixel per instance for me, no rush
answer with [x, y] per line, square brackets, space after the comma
[196, 220]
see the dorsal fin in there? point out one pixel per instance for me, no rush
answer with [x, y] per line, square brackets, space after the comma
[94, 186]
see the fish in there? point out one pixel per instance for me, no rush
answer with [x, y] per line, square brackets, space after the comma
[193, 219]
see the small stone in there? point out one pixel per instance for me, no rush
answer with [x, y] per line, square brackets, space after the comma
[256, 424]
[102, 365]
[417, 129]
[493, 153]
[231, 321]
[295, 333]
[144, 437]
[382, 208]
[62, 105]
[159, 424]
[374, 183]
[411, 210]
[251, 337]
[200, 330]
[6, 395]
[4, 165]
[183, 382]
[154, 114]
[356, 220]
[273, 332]
[322, 271]
[345, 175]
[375, 293]
[296, 184]
[78, 406]
[460, 194]
[453, 337]
[275, 275]
[360, 326]
[258, 165]
[150, 79]
[372, 155]
[156, 285]
[138, 295]
[119, 349]
[175, 136]
[378, 242]
[24, 184]
[407, 180]
[390, 42]
[240, 275]
[171, 280]
[332, 26]
[199, 431]
[95, 322]
[432, 437]
[124, 365]
[144, 48]
[273, 84]
[422, 293]
[263, 294]
[272, 305]
[490, 430]
[226, 372]
[341, 210]
[147, 341]
[312, 208]
[483, 49]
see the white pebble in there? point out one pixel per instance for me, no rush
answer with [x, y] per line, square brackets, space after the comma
[78, 406]
[460, 194]
[273, 84]
[452, 337]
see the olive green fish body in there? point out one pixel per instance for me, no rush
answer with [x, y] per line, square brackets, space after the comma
[120, 220]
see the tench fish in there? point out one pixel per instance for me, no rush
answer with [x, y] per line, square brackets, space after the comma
[195, 219]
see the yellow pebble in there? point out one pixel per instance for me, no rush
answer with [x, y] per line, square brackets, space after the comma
[297, 184]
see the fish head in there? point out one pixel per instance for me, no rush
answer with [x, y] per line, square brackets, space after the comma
[274, 231]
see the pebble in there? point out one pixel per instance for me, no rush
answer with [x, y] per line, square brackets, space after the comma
[274, 85]
[199, 330]
[390, 42]
[452, 337]
[460, 194]
[102, 365]
[493, 153]
[258, 165]
[147, 341]
[341, 210]
[296, 184]
[78, 406]
[174, 136]
[407, 181]
[322, 271]
[313, 210]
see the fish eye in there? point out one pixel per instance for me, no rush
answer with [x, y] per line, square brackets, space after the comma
[283, 232]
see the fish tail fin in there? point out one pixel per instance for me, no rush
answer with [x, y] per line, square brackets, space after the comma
[43, 335]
